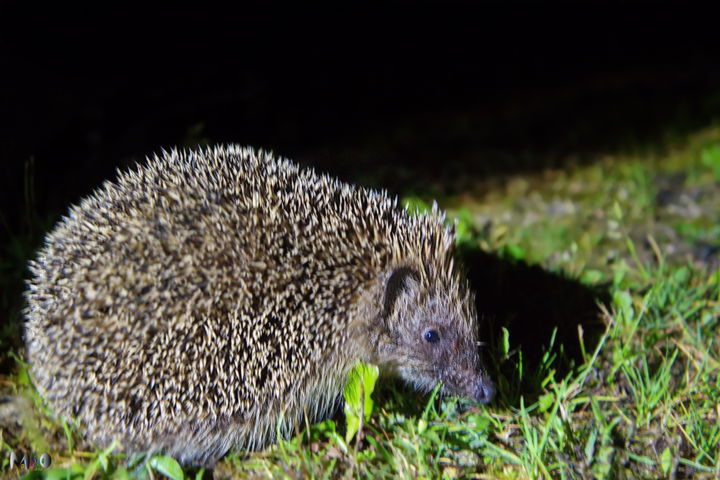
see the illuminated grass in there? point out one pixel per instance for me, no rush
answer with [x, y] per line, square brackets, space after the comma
[632, 393]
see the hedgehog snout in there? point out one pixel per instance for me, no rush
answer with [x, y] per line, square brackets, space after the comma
[471, 383]
[484, 389]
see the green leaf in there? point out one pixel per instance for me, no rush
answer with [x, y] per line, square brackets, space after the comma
[103, 459]
[623, 301]
[641, 459]
[168, 466]
[479, 423]
[360, 384]
[603, 464]
[100, 461]
[512, 252]
[711, 159]
[422, 426]
[681, 276]
[120, 474]
[546, 401]
[590, 446]
[416, 205]
[34, 475]
[666, 460]
[23, 378]
[617, 211]
[62, 474]
[464, 226]
[591, 277]
[505, 342]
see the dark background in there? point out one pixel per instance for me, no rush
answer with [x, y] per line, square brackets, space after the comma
[427, 87]
[391, 97]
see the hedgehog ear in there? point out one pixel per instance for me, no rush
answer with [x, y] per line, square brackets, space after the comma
[395, 285]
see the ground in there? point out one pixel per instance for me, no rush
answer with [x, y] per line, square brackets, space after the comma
[599, 294]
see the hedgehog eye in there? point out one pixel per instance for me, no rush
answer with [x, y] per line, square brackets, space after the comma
[431, 336]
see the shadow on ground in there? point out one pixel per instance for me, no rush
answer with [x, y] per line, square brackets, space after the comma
[531, 303]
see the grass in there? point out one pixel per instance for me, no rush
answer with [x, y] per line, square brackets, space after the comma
[600, 295]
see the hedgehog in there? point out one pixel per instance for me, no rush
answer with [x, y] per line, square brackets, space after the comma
[208, 299]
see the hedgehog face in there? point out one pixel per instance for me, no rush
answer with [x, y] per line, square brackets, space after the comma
[429, 339]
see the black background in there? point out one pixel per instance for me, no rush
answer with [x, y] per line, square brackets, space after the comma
[484, 88]
[383, 96]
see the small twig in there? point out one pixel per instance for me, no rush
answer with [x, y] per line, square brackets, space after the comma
[655, 249]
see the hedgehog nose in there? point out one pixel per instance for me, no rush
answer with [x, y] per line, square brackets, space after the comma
[485, 390]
